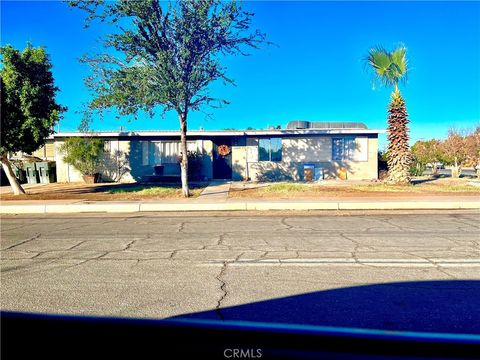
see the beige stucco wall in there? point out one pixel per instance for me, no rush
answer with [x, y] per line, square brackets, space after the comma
[318, 151]
[306, 149]
[46, 152]
[365, 170]
[115, 165]
[239, 162]
[116, 162]
[123, 162]
[65, 173]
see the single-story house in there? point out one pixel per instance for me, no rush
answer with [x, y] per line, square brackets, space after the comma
[345, 150]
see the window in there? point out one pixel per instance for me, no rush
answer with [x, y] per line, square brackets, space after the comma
[107, 146]
[145, 152]
[343, 148]
[270, 149]
[165, 152]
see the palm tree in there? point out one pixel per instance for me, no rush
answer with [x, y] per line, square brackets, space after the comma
[391, 68]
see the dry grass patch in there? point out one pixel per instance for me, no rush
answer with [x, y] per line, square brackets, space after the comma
[375, 189]
[107, 192]
[417, 188]
[155, 191]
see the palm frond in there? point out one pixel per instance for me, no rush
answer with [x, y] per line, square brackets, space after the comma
[379, 60]
[388, 67]
[399, 58]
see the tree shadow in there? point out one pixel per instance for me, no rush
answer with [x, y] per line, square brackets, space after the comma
[447, 306]
[143, 170]
[138, 170]
[238, 171]
[115, 166]
[430, 179]
[316, 152]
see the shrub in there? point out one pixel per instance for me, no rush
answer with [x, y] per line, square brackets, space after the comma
[427, 152]
[84, 154]
[417, 169]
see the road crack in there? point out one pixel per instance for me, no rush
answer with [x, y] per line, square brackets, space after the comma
[435, 264]
[36, 236]
[223, 289]
[221, 239]
[283, 221]
[76, 245]
[129, 245]
[181, 227]
[223, 285]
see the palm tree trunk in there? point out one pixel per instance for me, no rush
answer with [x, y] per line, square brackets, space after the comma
[399, 155]
[182, 117]
[16, 187]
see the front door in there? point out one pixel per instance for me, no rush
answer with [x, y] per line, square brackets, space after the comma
[222, 158]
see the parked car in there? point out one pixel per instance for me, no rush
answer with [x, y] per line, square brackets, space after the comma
[438, 164]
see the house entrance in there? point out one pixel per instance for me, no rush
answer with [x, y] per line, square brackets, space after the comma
[222, 158]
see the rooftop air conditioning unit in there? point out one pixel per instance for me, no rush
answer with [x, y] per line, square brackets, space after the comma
[298, 124]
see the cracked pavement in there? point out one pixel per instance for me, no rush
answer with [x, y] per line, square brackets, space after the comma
[161, 266]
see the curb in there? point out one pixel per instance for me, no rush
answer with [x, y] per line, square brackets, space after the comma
[292, 206]
[235, 206]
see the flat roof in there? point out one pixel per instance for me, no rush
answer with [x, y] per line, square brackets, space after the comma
[213, 133]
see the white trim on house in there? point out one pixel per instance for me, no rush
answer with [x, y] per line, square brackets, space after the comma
[210, 133]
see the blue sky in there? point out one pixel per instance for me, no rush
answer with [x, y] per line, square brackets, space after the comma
[315, 73]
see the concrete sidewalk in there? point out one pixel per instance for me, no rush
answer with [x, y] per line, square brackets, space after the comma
[202, 204]
[216, 191]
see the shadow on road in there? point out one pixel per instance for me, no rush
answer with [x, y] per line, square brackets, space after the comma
[430, 306]
[426, 308]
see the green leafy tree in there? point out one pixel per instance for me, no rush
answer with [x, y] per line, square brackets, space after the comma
[391, 67]
[427, 152]
[454, 151]
[472, 147]
[84, 153]
[167, 56]
[29, 109]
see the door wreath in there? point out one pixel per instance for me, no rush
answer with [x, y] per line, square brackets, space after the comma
[224, 150]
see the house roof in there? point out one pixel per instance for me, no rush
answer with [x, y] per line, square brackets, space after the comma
[301, 124]
[213, 133]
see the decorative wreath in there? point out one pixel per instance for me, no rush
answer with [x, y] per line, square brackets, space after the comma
[224, 150]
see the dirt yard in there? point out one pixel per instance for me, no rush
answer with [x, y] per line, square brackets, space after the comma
[102, 191]
[424, 187]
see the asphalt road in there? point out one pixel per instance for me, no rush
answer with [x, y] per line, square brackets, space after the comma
[417, 271]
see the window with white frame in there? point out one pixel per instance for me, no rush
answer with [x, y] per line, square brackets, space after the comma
[270, 149]
[165, 152]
